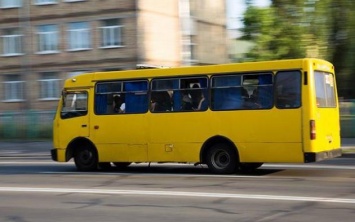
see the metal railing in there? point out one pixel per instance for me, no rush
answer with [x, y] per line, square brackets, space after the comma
[31, 125]
[34, 125]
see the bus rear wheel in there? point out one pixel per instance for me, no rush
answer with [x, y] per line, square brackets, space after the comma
[86, 158]
[222, 159]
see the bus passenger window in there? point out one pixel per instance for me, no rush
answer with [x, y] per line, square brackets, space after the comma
[186, 100]
[136, 96]
[163, 95]
[194, 95]
[226, 92]
[260, 88]
[288, 89]
[119, 105]
[160, 101]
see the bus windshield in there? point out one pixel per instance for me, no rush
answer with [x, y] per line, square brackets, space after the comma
[74, 104]
[325, 90]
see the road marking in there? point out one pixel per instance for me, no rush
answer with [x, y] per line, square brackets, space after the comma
[309, 166]
[178, 193]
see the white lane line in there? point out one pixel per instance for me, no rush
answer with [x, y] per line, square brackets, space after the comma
[177, 193]
[309, 166]
[152, 174]
[34, 163]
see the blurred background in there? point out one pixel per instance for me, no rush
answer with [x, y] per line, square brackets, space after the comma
[44, 42]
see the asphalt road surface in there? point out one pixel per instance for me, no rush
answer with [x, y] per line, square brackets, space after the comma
[35, 189]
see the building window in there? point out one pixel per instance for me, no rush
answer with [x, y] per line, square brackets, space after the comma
[189, 51]
[49, 85]
[79, 36]
[12, 42]
[45, 2]
[10, 3]
[47, 38]
[74, 0]
[111, 33]
[13, 87]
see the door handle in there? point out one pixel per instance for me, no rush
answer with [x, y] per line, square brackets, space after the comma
[84, 125]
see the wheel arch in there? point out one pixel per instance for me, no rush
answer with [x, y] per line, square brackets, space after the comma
[213, 141]
[75, 144]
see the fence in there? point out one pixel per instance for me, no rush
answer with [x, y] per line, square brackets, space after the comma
[347, 118]
[33, 125]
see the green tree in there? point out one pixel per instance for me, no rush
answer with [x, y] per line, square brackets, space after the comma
[343, 40]
[275, 35]
[305, 28]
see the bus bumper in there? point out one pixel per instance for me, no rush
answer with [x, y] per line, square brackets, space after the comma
[58, 155]
[315, 157]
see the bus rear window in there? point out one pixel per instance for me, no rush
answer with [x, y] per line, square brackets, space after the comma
[325, 90]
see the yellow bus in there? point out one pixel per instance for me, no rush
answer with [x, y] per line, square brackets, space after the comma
[229, 117]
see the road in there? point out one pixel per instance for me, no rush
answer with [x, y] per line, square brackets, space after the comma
[35, 189]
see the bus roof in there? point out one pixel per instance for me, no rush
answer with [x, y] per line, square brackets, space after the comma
[89, 79]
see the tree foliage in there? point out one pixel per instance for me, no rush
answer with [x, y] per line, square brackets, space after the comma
[305, 28]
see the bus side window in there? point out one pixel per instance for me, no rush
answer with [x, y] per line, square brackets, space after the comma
[261, 90]
[136, 96]
[118, 104]
[164, 96]
[160, 101]
[227, 92]
[193, 94]
[288, 89]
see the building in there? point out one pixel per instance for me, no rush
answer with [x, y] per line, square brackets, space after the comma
[44, 42]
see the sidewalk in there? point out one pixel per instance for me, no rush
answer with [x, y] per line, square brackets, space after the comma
[348, 143]
[25, 148]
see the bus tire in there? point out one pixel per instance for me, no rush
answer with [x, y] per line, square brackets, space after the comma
[222, 159]
[85, 158]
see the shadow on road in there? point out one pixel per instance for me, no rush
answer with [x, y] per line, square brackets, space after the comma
[49, 168]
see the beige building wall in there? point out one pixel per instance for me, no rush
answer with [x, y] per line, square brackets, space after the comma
[152, 34]
[31, 64]
[210, 31]
[159, 33]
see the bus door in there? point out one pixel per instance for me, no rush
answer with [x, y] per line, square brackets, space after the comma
[287, 125]
[118, 122]
[74, 116]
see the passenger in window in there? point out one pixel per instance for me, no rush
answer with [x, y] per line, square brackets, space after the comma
[119, 106]
[161, 101]
[252, 101]
[195, 94]
[186, 101]
[199, 101]
[202, 104]
[245, 94]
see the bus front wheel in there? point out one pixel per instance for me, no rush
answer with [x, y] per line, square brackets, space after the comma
[222, 159]
[86, 158]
